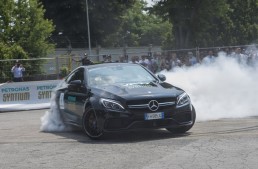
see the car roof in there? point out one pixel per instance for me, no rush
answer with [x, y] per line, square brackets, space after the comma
[106, 65]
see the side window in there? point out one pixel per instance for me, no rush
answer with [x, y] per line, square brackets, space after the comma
[77, 75]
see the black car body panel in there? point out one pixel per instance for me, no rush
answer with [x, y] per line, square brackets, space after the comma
[122, 105]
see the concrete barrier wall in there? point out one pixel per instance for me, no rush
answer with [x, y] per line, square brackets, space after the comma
[26, 95]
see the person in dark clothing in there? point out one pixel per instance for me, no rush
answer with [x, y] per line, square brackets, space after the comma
[85, 60]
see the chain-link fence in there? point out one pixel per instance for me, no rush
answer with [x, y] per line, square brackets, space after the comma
[60, 63]
[35, 69]
[58, 66]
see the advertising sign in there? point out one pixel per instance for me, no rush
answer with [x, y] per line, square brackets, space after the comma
[26, 95]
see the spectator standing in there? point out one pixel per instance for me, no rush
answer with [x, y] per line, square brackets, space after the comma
[210, 58]
[157, 59]
[85, 61]
[137, 59]
[241, 58]
[184, 60]
[143, 61]
[123, 59]
[174, 62]
[227, 51]
[104, 58]
[108, 59]
[152, 64]
[134, 59]
[252, 59]
[17, 71]
[164, 64]
[192, 60]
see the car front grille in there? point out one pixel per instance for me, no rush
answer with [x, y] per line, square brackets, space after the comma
[144, 104]
[146, 101]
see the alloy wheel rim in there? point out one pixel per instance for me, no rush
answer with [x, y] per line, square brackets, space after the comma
[91, 125]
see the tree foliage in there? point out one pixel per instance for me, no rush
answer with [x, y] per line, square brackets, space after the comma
[23, 30]
[139, 28]
[69, 16]
[191, 19]
[244, 21]
[24, 34]
[210, 23]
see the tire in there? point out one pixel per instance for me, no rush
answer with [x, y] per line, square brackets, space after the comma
[182, 130]
[90, 124]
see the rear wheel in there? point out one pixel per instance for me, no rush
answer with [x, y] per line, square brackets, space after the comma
[90, 124]
[183, 129]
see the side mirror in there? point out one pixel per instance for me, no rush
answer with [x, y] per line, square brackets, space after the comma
[77, 86]
[162, 77]
[76, 82]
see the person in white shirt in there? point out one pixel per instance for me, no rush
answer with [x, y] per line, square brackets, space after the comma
[210, 58]
[17, 71]
[192, 60]
[134, 59]
[241, 58]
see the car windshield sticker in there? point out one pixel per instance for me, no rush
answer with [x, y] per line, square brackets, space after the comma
[61, 101]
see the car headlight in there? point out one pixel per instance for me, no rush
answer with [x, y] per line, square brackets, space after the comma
[183, 100]
[111, 104]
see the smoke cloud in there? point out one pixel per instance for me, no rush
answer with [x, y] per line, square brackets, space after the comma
[52, 121]
[223, 89]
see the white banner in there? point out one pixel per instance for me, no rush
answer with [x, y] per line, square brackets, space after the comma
[26, 95]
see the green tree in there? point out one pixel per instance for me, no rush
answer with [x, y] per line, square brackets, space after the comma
[211, 23]
[138, 27]
[192, 20]
[24, 32]
[69, 17]
[244, 22]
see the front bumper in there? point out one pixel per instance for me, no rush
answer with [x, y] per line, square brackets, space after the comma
[114, 121]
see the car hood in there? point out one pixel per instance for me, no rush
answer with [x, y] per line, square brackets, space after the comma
[136, 91]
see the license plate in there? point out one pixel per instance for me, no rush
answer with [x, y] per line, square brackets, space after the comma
[152, 116]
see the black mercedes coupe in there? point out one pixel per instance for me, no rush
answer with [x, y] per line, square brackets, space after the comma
[113, 97]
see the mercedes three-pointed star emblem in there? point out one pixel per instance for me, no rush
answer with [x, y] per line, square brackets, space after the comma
[153, 105]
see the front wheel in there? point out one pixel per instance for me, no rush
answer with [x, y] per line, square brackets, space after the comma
[184, 129]
[90, 124]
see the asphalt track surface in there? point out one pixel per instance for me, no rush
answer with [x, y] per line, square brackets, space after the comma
[221, 144]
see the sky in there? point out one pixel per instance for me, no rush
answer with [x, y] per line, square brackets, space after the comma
[150, 2]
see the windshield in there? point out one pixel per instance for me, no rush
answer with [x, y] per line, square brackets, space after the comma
[119, 74]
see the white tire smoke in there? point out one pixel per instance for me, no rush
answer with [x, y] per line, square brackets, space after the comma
[51, 121]
[223, 89]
